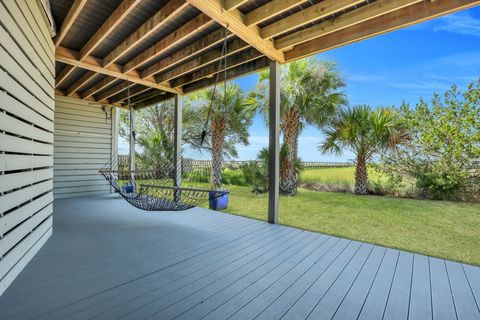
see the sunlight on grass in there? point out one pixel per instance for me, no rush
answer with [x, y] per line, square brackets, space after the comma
[436, 228]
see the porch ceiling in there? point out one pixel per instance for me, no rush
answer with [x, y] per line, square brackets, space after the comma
[157, 48]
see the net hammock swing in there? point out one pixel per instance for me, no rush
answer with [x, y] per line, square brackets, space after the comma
[177, 183]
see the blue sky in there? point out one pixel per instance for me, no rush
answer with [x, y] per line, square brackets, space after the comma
[388, 69]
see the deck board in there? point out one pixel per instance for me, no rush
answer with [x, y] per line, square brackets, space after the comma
[107, 260]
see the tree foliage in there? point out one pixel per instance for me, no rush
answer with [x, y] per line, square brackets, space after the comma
[310, 94]
[365, 132]
[443, 155]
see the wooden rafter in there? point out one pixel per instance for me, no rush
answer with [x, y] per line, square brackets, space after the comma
[70, 18]
[233, 4]
[95, 64]
[404, 17]
[243, 70]
[114, 90]
[199, 46]
[376, 9]
[83, 80]
[270, 9]
[198, 23]
[201, 61]
[134, 91]
[235, 21]
[303, 17]
[101, 85]
[67, 70]
[120, 13]
[210, 70]
[163, 16]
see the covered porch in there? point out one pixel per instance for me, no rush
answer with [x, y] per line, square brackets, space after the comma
[108, 260]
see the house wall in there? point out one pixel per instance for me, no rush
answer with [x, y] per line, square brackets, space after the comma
[85, 141]
[26, 134]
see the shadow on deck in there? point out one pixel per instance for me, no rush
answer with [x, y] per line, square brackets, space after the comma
[108, 260]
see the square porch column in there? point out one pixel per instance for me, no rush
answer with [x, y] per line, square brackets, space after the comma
[177, 137]
[274, 144]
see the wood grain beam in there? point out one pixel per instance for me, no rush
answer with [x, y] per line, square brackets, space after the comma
[233, 4]
[407, 16]
[210, 70]
[101, 85]
[235, 21]
[346, 20]
[199, 46]
[201, 61]
[198, 23]
[89, 75]
[242, 70]
[67, 70]
[135, 91]
[120, 13]
[71, 57]
[70, 18]
[163, 16]
[303, 17]
[270, 9]
[113, 90]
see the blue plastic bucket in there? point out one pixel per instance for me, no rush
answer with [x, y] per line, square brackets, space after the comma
[219, 203]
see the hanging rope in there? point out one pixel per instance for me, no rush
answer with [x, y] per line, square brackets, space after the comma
[217, 77]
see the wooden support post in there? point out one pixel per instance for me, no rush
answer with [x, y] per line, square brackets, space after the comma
[274, 144]
[131, 164]
[177, 161]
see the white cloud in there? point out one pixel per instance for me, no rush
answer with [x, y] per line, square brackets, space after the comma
[463, 23]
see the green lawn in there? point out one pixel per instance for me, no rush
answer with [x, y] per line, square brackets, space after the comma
[437, 228]
[345, 175]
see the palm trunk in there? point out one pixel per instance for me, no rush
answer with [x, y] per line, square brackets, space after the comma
[288, 176]
[361, 175]
[218, 136]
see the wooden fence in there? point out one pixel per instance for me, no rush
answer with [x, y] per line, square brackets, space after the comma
[235, 164]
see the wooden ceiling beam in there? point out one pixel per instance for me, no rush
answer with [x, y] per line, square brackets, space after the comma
[67, 70]
[70, 18]
[101, 85]
[201, 61]
[210, 70]
[198, 23]
[71, 57]
[233, 4]
[113, 90]
[199, 46]
[310, 14]
[373, 10]
[120, 13]
[135, 91]
[89, 75]
[235, 21]
[404, 17]
[240, 71]
[163, 16]
[269, 10]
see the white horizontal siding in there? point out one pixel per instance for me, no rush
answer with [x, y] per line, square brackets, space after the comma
[83, 145]
[26, 135]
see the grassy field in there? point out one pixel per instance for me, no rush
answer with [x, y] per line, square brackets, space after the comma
[436, 228]
[345, 175]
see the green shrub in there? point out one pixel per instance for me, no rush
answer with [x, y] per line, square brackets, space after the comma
[235, 177]
[441, 183]
[256, 175]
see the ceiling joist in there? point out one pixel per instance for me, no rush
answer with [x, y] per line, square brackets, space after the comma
[70, 18]
[371, 11]
[101, 85]
[71, 57]
[235, 21]
[269, 10]
[407, 16]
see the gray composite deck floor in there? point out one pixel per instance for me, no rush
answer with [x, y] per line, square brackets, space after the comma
[107, 260]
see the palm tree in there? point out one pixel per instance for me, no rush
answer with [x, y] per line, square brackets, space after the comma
[309, 94]
[229, 115]
[365, 132]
